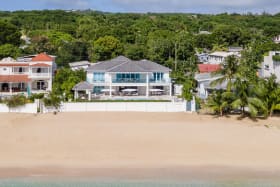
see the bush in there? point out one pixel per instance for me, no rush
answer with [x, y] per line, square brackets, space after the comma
[52, 101]
[276, 58]
[16, 101]
[36, 96]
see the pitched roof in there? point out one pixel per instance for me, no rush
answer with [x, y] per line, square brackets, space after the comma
[123, 64]
[208, 68]
[82, 86]
[14, 78]
[42, 57]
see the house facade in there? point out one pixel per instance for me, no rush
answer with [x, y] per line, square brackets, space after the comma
[271, 65]
[27, 75]
[82, 65]
[276, 39]
[124, 77]
[218, 57]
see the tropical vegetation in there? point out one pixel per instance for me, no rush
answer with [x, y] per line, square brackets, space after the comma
[169, 39]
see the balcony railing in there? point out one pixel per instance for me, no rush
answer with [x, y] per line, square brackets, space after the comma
[129, 81]
[40, 75]
[159, 81]
[20, 73]
[98, 81]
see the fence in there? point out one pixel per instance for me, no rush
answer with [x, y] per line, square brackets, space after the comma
[103, 107]
[124, 107]
[30, 108]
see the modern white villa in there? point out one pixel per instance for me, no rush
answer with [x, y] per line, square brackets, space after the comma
[271, 65]
[27, 75]
[121, 77]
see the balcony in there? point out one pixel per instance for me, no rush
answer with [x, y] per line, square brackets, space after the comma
[128, 80]
[159, 81]
[98, 81]
[40, 75]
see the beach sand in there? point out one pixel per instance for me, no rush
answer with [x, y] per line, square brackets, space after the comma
[138, 145]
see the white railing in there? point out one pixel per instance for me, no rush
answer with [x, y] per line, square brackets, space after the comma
[40, 75]
[124, 107]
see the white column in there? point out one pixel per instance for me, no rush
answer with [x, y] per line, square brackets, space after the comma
[147, 85]
[50, 85]
[110, 89]
[170, 89]
[76, 95]
[10, 85]
[89, 94]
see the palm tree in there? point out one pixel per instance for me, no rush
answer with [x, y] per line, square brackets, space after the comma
[269, 90]
[246, 97]
[228, 71]
[220, 102]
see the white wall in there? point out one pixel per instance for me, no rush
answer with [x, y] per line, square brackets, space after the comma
[273, 67]
[30, 108]
[124, 107]
[5, 70]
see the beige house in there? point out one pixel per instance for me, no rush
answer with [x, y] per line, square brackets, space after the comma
[27, 75]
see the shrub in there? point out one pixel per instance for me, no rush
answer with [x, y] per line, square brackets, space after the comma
[16, 101]
[36, 96]
[276, 58]
[52, 101]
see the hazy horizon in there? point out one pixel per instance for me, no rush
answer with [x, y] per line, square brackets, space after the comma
[145, 6]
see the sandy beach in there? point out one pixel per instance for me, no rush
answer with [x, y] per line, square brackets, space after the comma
[138, 144]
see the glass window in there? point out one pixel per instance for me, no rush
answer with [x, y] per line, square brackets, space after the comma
[98, 89]
[158, 76]
[98, 77]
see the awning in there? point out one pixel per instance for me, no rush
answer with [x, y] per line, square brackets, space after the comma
[14, 78]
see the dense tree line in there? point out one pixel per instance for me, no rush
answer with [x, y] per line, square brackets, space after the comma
[169, 39]
[165, 38]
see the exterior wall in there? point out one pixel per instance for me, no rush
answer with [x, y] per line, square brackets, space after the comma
[125, 107]
[107, 77]
[215, 59]
[5, 70]
[270, 67]
[90, 77]
[166, 77]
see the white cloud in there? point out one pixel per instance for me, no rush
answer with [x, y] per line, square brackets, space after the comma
[66, 4]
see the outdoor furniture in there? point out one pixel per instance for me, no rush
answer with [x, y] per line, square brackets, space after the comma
[156, 91]
[104, 91]
[129, 91]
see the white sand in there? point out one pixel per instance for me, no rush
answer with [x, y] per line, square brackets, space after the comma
[136, 140]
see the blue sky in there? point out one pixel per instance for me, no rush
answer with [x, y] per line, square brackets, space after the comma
[193, 6]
